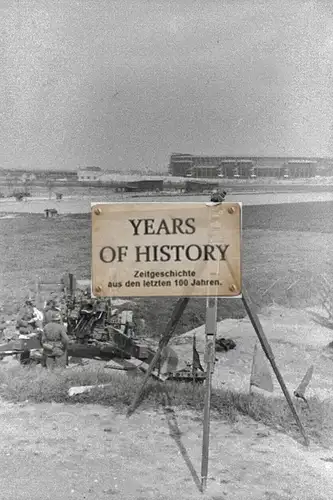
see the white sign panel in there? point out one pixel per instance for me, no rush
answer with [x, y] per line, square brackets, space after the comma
[166, 249]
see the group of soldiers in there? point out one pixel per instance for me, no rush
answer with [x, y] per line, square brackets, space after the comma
[51, 329]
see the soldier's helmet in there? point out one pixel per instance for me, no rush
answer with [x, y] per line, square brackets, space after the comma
[56, 317]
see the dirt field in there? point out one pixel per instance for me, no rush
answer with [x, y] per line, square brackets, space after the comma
[298, 337]
[56, 451]
[87, 452]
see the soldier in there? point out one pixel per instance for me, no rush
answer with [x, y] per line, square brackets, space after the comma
[29, 318]
[49, 309]
[55, 342]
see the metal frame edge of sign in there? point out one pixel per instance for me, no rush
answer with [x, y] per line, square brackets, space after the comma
[94, 203]
[224, 297]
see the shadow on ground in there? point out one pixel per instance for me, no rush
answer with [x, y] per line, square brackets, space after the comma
[176, 434]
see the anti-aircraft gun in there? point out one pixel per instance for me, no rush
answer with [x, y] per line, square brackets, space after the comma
[95, 330]
[99, 331]
[92, 323]
[93, 327]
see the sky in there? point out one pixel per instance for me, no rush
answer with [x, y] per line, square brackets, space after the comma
[122, 84]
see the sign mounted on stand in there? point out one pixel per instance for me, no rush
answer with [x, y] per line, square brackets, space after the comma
[175, 249]
[166, 249]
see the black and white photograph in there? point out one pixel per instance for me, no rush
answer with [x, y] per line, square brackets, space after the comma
[166, 250]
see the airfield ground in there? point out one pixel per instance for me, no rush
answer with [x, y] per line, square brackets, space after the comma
[286, 248]
[89, 452]
[82, 451]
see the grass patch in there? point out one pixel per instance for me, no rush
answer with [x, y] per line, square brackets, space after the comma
[281, 245]
[275, 413]
[19, 384]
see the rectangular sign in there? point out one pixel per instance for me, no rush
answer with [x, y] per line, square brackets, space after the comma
[166, 249]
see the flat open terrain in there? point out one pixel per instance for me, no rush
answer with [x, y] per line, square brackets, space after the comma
[80, 451]
[89, 452]
[80, 203]
[286, 248]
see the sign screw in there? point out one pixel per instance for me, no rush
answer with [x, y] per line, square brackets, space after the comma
[232, 288]
[98, 289]
[98, 211]
[231, 210]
